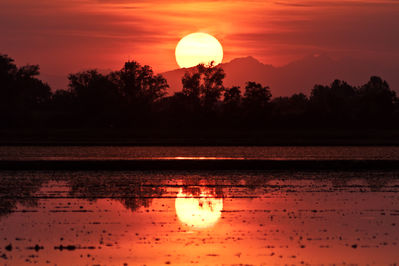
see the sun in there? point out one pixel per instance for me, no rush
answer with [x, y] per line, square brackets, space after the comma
[198, 48]
[198, 212]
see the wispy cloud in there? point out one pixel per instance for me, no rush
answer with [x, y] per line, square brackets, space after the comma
[68, 35]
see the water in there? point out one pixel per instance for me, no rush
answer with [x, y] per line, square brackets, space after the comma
[194, 152]
[200, 218]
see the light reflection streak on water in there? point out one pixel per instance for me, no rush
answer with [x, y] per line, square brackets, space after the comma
[227, 152]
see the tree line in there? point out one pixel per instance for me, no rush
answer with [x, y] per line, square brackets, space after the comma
[135, 97]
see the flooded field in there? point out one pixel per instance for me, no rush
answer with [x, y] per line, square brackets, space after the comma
[203, 218]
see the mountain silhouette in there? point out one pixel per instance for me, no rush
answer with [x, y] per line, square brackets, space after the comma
[297, 76]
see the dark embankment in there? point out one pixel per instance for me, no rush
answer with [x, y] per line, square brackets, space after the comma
[154, 165]
[199, 137]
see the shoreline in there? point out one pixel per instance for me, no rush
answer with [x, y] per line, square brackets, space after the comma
[199, 137]
[203, 164]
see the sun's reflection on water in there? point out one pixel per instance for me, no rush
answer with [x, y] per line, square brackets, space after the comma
[198, 212]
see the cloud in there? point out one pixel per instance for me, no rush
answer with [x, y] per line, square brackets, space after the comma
[68, 35]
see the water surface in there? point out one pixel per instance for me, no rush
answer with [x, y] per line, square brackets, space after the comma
[214, 218]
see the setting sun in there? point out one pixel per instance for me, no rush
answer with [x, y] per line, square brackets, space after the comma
[198, 212]
[198, 48]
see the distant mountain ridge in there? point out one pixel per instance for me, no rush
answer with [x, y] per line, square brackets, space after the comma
[298, 76]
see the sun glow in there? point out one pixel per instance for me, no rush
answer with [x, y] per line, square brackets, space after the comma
[198, 212]
[198, 48]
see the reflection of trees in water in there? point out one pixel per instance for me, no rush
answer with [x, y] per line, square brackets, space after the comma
[23, 188]
[374, 181]
[18, 190]
[252, 182]
[339, 182]
[131, 190]
[196, 185]
[377, 182]
[136, 189]
[221, 184]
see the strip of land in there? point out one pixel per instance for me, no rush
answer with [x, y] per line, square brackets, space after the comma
[224, 164]
[198, 137]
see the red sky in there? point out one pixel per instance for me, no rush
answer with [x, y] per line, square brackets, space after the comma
[65, 36]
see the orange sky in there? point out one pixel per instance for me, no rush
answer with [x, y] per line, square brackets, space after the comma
[66, 36]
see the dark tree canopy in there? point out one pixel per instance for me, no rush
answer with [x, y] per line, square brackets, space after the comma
[138, 84]
[120, 97]
[232, 99]
[232, 106]
[96, 97]
[256, 95]
[232, 96]
[377, 101]
[135, 97]
[204, 84]
[290, 107]
[333, 102]
[22, 95]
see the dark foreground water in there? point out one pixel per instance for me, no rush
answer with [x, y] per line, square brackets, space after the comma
[203, 218]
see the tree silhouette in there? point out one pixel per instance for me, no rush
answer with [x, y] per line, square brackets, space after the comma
[204, 84]
[96, 97]
[377, 101]
[256, 96]
[122, 98]
[232, 96]
[290, 111]
[136, 97]
[8, 88]
[232, 105]
[202, 89]
[256, 103]
[138, 84]
[140, 90]
[22, 95]
[191, 93]
[335, 103]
